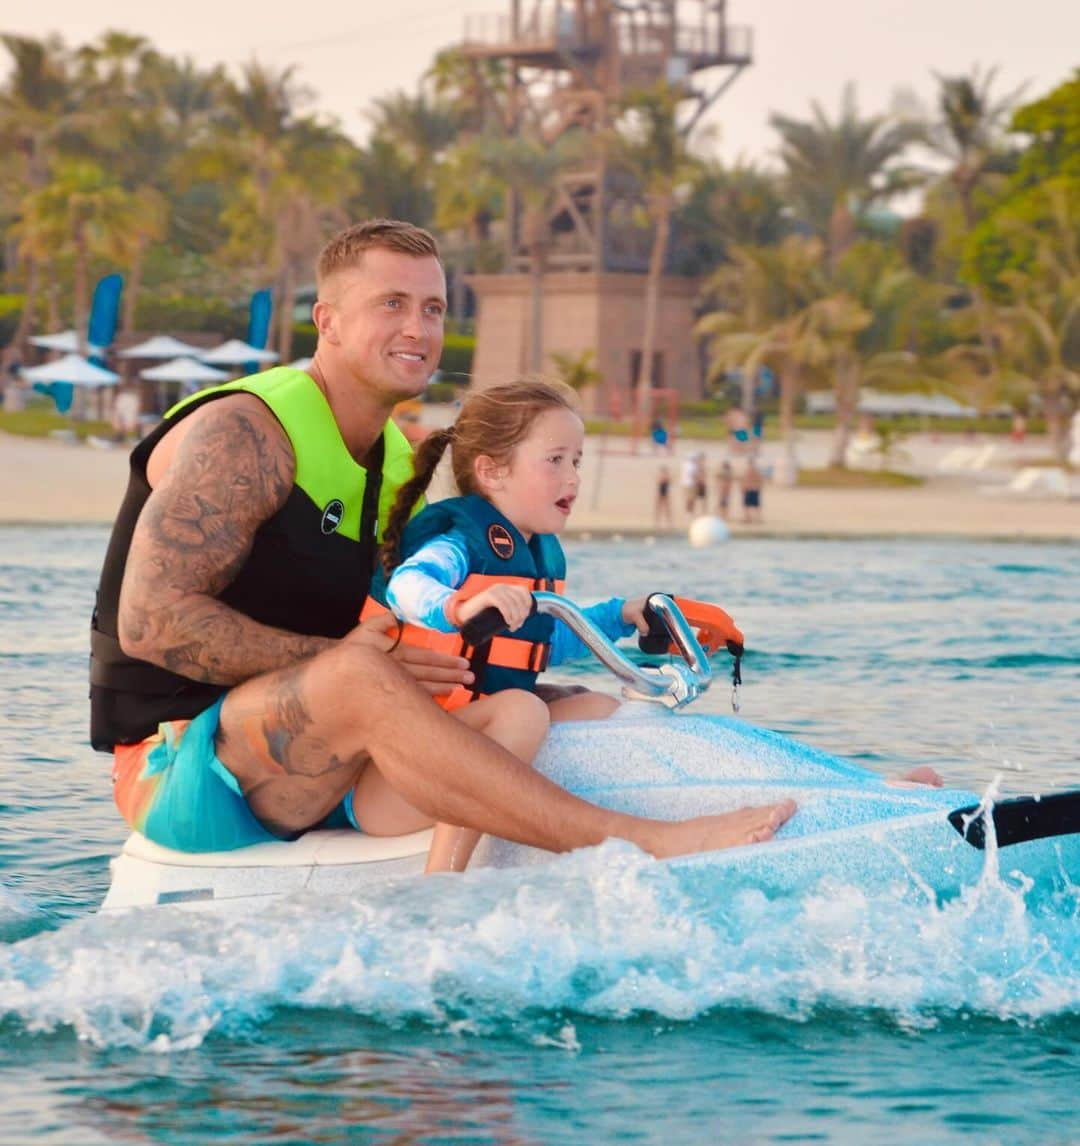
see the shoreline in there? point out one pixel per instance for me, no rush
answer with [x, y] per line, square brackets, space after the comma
[49, 482]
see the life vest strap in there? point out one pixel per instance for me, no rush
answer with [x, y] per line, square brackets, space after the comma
[502, 652]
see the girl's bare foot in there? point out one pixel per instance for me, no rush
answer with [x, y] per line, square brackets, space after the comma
[922, 777]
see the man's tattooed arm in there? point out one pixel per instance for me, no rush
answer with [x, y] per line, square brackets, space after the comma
[232, 471]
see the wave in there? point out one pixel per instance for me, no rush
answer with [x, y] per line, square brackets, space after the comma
[604, 933]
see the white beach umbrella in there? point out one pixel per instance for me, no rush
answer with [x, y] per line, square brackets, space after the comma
[236, 353]
[72, 368]
[300, 363]
[161, 346]
[65, 342]
[183, 370]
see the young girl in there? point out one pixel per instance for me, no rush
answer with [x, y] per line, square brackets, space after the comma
[515, 452]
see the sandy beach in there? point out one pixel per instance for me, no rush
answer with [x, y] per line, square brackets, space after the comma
[59, 482]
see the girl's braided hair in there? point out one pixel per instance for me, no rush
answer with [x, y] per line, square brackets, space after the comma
[491, 422]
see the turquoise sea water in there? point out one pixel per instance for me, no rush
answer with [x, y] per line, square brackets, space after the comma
[595, 1000]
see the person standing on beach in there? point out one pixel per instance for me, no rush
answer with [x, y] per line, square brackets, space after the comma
[752, 480]
[229, 677]
[125, 412]
[725, 478]
[662, 508]
[695, 492]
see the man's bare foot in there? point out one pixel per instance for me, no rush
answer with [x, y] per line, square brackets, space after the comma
[923, 777]
[727, 830]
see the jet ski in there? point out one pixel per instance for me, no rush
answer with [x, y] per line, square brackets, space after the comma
[853, 826]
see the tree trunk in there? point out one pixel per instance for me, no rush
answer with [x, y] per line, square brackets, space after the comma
[789, 390]
[643, 383]
[846, 389]
[536, 323]
[457, 289]
[787, 470]
[534, 240]
[1057, 421]
[81, 288]
[52, 296]
[841, 232]
[134, 285]
[285, 319]
[16, 349]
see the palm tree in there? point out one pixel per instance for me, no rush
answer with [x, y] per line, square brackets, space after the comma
[473, 90]
[969, 131]
[36, 105]
[420, 128]
[83, 214]
[308, 207]
[578, 371]
[647, 142]
[531, 169]
[1040, 328]
[36, 108]
[900, 307]
[969, 134]
[287, 177]
[773, 309]
[468, 198]
[836, 170]
[385, 183]
[740, 205]
[147, 223]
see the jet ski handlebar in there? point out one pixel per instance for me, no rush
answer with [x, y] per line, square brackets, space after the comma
[673, 684]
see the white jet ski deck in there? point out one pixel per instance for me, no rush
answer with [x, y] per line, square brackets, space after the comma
[326, 862]
[852, 824]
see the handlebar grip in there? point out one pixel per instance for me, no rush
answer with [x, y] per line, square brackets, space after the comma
[486, 624]
[657, 640]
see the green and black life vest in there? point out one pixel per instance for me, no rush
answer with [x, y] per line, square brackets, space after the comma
[308, 571]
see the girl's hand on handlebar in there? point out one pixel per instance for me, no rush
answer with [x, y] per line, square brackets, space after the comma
[513, 601]
[633, 613]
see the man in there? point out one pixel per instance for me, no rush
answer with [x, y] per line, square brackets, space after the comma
[243, 701]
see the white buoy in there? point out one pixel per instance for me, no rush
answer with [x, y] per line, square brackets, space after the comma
[708, 530]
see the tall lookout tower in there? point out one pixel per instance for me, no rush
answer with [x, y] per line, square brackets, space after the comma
[578, 235]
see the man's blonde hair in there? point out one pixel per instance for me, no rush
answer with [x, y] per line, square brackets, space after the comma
[347, 248]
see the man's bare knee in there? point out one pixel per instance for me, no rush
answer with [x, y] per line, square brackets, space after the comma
[361, 678]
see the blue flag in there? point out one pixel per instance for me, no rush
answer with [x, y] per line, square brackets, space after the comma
[103, 313]
[259, 319]
[62, 393]
[258, 330]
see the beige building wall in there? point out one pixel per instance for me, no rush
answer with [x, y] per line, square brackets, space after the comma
[604, 312]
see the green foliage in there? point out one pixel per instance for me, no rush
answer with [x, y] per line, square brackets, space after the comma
[304, 338]
[193, 313]
[728, 207]
[441, 392]
[836, 478]
[1047, 176]
[199, 187]
[577, 371]
[836, 170]
[457, 357]
[11, 308]
[1053, 122]
[39, 420]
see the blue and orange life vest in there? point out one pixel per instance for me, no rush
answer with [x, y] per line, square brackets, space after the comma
[497, 553]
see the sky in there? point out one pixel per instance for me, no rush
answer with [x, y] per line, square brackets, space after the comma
[353, 51]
